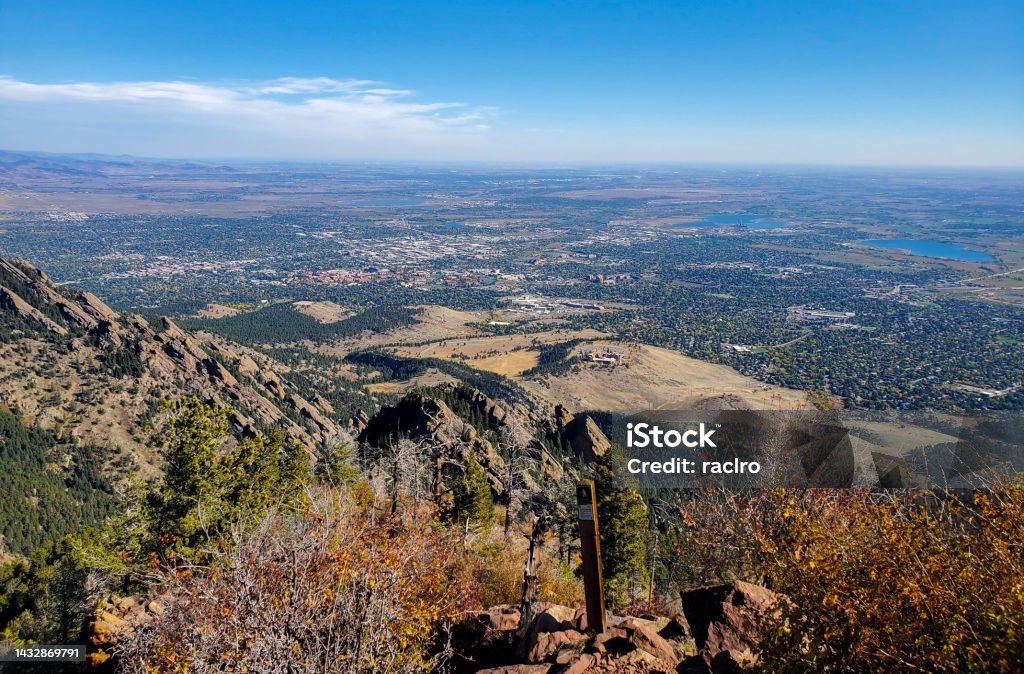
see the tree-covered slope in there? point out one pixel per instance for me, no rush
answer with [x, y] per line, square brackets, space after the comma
[47, 489]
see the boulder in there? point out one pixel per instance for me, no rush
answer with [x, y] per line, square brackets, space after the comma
[646, 639]
[107, 624]
[501, 618]
[114, 618]
[170, 330]
[676, 629]
[568, 654]
[725, 621]
[549, 466]
[580, 664]
[548, 644]
[643, 661]
[552, 619]
[517, 669]
[323, 403]
[220, 374]
[248, 366]
[272, 383]
[359, 421]
[553, 639]
[71, 311]
[613, 640]
[95, 307]
[107, 334]
[311, 414]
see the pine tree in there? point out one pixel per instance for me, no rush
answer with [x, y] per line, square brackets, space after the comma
[295, 470]
[472, 495]
[623, 525]
[190, 492]
[252, 475]
[334, 464]
[204, 490]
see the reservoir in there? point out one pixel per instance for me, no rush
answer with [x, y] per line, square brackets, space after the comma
[934, 249]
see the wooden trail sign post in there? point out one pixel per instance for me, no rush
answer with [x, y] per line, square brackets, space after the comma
[590, 550]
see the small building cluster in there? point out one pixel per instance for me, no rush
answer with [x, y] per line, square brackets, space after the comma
[803, 313]
[603, 356]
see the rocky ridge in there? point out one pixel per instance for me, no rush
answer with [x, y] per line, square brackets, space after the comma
[70, 362]
[480, 425]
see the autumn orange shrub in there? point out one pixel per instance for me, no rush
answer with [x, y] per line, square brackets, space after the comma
[499, 566]
[329, 590]
[880, 582]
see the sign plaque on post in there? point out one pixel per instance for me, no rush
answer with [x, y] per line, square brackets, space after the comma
[590, 550]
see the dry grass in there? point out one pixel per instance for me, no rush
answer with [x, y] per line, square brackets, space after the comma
[509, 364]
[386, 387]
[215, 310]
[656, 378]
[324, 312]
[508, 355]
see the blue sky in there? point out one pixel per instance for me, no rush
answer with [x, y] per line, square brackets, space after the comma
[907, 83]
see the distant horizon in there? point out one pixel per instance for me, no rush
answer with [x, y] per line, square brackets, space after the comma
[100, 156]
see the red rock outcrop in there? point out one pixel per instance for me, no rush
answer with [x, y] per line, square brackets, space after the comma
[725, 621]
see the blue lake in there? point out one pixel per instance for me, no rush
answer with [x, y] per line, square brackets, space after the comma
[727, 219]
[927, 248]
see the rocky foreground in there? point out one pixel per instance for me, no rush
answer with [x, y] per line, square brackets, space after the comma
[712, 630]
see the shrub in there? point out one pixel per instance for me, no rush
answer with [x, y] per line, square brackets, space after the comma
[892, 581]
[500, 563]
[328, 590]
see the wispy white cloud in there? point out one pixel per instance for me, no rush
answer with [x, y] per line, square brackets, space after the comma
[337, 115]
[313, 85]
[322, 118]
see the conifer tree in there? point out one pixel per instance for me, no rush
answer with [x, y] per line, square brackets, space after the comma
[472, 494]
[192, 479]
[295, 469]
[334, 463]
[623, 525]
